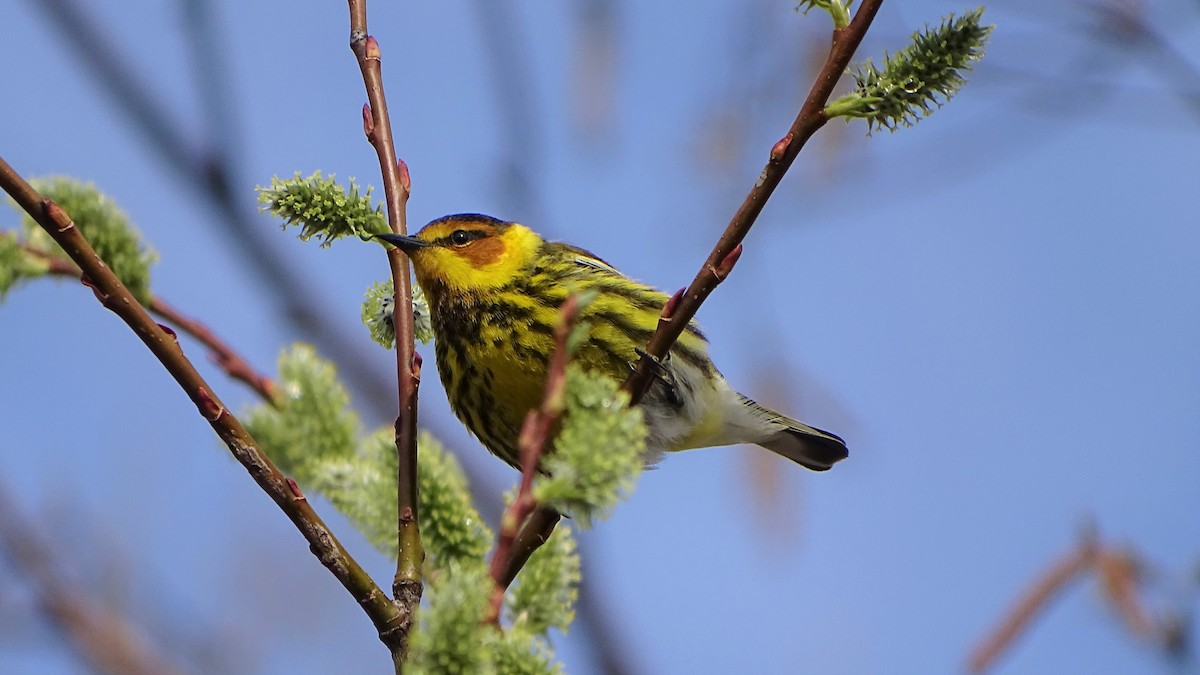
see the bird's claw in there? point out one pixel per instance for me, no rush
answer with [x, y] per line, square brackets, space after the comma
[663, 374]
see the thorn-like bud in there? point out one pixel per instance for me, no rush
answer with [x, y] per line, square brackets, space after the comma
[372, 48]
[780, 147]
[56, 213]
[294, 487]
[208, 407]
[368, 123]
[417, 360]
[405, 177]
[169, 331]
[672, 304]
[727, 263]
[87, 281]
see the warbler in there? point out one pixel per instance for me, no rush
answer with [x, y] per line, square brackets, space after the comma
[494, 289]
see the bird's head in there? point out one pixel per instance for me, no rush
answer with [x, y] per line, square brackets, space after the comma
[467, 253]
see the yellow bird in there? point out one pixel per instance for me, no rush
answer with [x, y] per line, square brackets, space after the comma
[494, 289]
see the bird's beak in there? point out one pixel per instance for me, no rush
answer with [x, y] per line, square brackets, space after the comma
[407, 244]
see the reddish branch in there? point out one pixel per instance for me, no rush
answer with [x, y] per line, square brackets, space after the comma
[684, 304]
[221, 353]
[389, 619]
[680, 309]
[1120, 577]
[531, 443]
[396, 188]
[1120, 580]
[1075, 564]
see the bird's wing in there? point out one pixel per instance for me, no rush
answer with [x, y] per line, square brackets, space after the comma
[585, 258]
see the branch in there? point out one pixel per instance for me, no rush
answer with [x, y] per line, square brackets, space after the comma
[1070, 567]
[531, 443]
[396, 188]
[390, 621]
[221, 353]
[683, 305]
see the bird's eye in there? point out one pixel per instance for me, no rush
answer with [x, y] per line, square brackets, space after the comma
[461, 237]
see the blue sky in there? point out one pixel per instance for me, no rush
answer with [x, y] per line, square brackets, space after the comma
[999, 309]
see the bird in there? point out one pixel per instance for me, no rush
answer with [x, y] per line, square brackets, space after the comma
[494, 288]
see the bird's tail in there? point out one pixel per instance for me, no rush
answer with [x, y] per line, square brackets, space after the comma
[808, 446]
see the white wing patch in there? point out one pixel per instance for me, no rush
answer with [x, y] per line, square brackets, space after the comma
[596, 264]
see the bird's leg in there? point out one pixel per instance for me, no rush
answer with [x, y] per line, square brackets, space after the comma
[664, 375]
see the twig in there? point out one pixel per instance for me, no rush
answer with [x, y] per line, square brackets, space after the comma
[683, 305]
[531, 443]
[221, 353]
[535, 532]
[389, 619]
[396, 188]
[105, 639]
[1119, 573]
[1070, 567]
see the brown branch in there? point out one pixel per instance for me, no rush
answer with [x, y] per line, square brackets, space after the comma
[1119, 573]
[535, 532]
[104, 638]
[683, 306]
[531, 443]
[396, 188]
[1050, 583]
[390, 620]
[220, 352]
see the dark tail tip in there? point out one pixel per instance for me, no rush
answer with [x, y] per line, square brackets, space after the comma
[811, 448]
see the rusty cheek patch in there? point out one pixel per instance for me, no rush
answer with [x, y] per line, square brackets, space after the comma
[482, 252]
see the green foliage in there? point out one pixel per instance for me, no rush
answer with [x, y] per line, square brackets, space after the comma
[377, 315]
[451, 637]
[548, 586]
[362, 487]
[16, 264]
[838, 9]
[598, 451]
[917, 79]
[451, 529]
[310, 420]
[311, 433]
[519, 653]
[323, 208]
[106, 227]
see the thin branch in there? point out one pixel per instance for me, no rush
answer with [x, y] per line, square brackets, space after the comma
[683, 306]
[531, 443]
[226, 358]
[396, 188]
[389, 619]
[104, 638]
[1119, 573]
[1072, 566]
[534, 532]
[222, 354]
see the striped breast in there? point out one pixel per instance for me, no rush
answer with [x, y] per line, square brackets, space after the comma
[492, 353]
